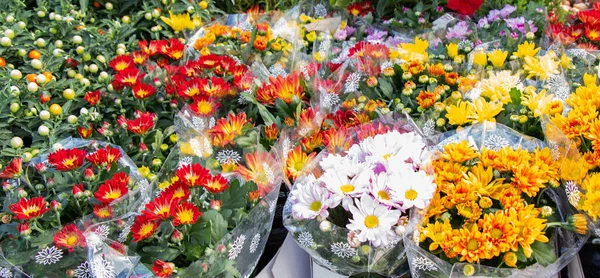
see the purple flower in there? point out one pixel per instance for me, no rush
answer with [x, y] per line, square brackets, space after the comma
[514, 35]
[477, 43]
[375, 34]
[387, 21]
[439, 9]
[482, 23]
[519, 24]
[350, 30]
[459, 31]
[340, 35]
[507, 10]
[502, 33]
[393, 41]
[405, 9]
[435, 42]
[494, 15]
[421, 20]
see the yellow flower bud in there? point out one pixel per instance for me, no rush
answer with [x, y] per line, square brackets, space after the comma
[510, 259]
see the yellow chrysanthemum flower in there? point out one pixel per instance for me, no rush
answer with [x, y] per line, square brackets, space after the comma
[480, 58]
[526, 49]
[542, 67]
[589, 79]
[416, 51]
[452, 50]
[591, 204]
[144, 170]
[459, 114]
[486, 111]
[499, 84]
[312, 36]
[497, 57]
[179, 22]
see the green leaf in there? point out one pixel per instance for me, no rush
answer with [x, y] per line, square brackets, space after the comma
[199, 234]
[235, 196]
[154, 249]
[218, 225]
[386, 88]
[381, 5]
[515, 96]
[543, 253]
[169, 255]
[42, 239]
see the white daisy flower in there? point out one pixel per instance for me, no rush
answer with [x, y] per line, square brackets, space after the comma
[312, 201]
[414, 189]
[372, 220]
[342, 164]
[393, 146]
[344, 187]
[380, 190]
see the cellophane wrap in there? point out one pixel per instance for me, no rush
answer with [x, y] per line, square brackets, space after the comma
[329, 245]
[244, 241]
[99, 251]
[566, 243]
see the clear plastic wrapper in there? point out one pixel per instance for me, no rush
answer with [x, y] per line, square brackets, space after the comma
[546, 259]
[229, 184]
[71, 202]
[316, 213]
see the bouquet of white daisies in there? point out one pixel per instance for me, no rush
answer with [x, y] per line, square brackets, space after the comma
[350, 211]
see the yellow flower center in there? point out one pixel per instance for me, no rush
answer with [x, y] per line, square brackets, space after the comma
[472, 245]
[299, 166]
[164, 210]
[186, 216]
[315, 206]
[71, 240]
[69, 162]
[383, 195]
[496, 233]
[204, 107]
[371, 221]
[411, 194]
[387, 156]
[121, 66]
[346, 188]
[147, 228]
[113, 195]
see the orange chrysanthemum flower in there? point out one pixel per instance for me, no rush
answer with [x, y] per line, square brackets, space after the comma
[163, 269]
[121, 63]
[102, 211]
[259, 169]
[139, 57]
[286, 88]
[69, 237]
[296, 161]
[67, 159]
[192, 174]
[13, 170]
[143, 228]
[260, 43]
[426, 99]
[185, 214]
[226, 129]
[459, 152]
[214, 87]
[204, 106]
[216, 184]
[29, 209]
[472, 245]
[86, 132]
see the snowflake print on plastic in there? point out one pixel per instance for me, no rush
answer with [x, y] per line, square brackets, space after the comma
[201, 148]
[424, 264]
[102, 231]
[305, 239]
[320, 10]
[228, 157]
[199, 123]
[94, 240]
[352, 82]
[597, 232]
[84, 270]
[328, 100]
[304, 71]
[495, 142]
[48, 256]
[573, 193]
[325, 263]
[269, 172]
[103, 268]
[286, 146]
[473, 94]
[429, 128]
[254, 243]
[277, 70]
[144, 185]
[243, 99]
[272, 206]
[125, 232]
[184, 161]
[5, 273]
[554, 150]
[343, 250]
[245, 26]
[236, 247]
[558, 85]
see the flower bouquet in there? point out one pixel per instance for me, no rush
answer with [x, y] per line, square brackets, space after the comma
[347, 211]
[60, 198]
[216, 191]
[497, 210]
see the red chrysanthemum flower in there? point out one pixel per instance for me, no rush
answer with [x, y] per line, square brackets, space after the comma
[186, 213]
[178, 191]
[29, 209]
[67, 159]
[77, 190]
[104, 157]
[120, 177]
[143, 228]
[139, 57]
[13, 170]
[128, 77]
[204, 106]
[215, 87]
[162, 207]
[175, 49]
[463, 7]
[85, 132]
[209, 61]
[163, 269]
[143, 90]
[93, 98]
[190, 88]
[69, 237]
[111, 190]
[121, 63]
[142, 124]
[226, 129]
[216, 184]
[103, 211]
[355, 9]
[193, 174]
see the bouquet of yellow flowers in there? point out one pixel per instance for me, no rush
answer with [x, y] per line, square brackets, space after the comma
[497, 210]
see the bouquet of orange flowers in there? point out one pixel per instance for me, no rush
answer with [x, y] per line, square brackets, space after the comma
[215, 193]
[497, 209]
[64, 208]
